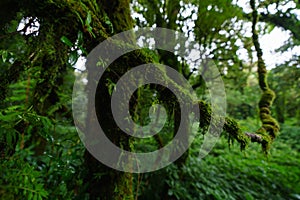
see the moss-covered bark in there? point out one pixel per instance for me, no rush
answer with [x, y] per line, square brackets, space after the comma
[112, 184]
[50, 56]
[270, 127]
[231, 127]
[104, 182]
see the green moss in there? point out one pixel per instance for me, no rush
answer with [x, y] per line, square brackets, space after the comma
[123, 187]
[270, 127]
[269, 124]
[231, 126]
[270, 121]
[267, 98]
[266, 139]
[264, 110]
[205, 114]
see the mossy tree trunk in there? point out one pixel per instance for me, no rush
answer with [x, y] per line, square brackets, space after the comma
[111, 184]
[49, 56]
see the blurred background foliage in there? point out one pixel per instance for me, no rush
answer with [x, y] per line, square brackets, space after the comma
[41, 154]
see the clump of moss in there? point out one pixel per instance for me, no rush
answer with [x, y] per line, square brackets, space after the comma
[267, 98]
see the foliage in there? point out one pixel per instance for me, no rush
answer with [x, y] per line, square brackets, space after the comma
[229, 174]
[20, 180]
[286, 84]
[42, 156]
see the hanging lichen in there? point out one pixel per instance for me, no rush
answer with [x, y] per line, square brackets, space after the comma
[270, 126]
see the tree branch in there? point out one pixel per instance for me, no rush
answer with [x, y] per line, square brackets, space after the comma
[270, 126]
[254, 137]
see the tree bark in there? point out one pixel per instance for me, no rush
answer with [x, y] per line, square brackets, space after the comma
[103, 182]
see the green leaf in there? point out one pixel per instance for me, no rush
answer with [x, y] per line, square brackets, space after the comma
[4, 55]
[270, 28]
[9, 117]
[90, 30]
[88, 19]
[30, 195]
[80, 19]
[73, 58]
[65, 40]
[80, 38]
[35, 197]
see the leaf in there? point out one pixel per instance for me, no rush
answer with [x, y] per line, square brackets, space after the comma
[90, 30]
[15, 108]
[80, 38]
[35, 196]
[9, 117]
[270, 28]
[4, 55]
[73, 58]
[80, 19]
[88, 19]
[109, 24]
[30, 196]
[65, 40]
[9, 140]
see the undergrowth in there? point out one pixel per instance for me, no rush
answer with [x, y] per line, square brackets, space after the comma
[228, 173]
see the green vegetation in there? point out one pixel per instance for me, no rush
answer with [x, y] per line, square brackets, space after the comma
[41, 154]
[229, 174]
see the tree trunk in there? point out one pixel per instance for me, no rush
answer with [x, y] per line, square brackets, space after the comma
[101, 181]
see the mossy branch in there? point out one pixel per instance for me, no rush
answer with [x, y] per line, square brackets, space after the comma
[233, 130]
[230, 126]
[270, 127]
